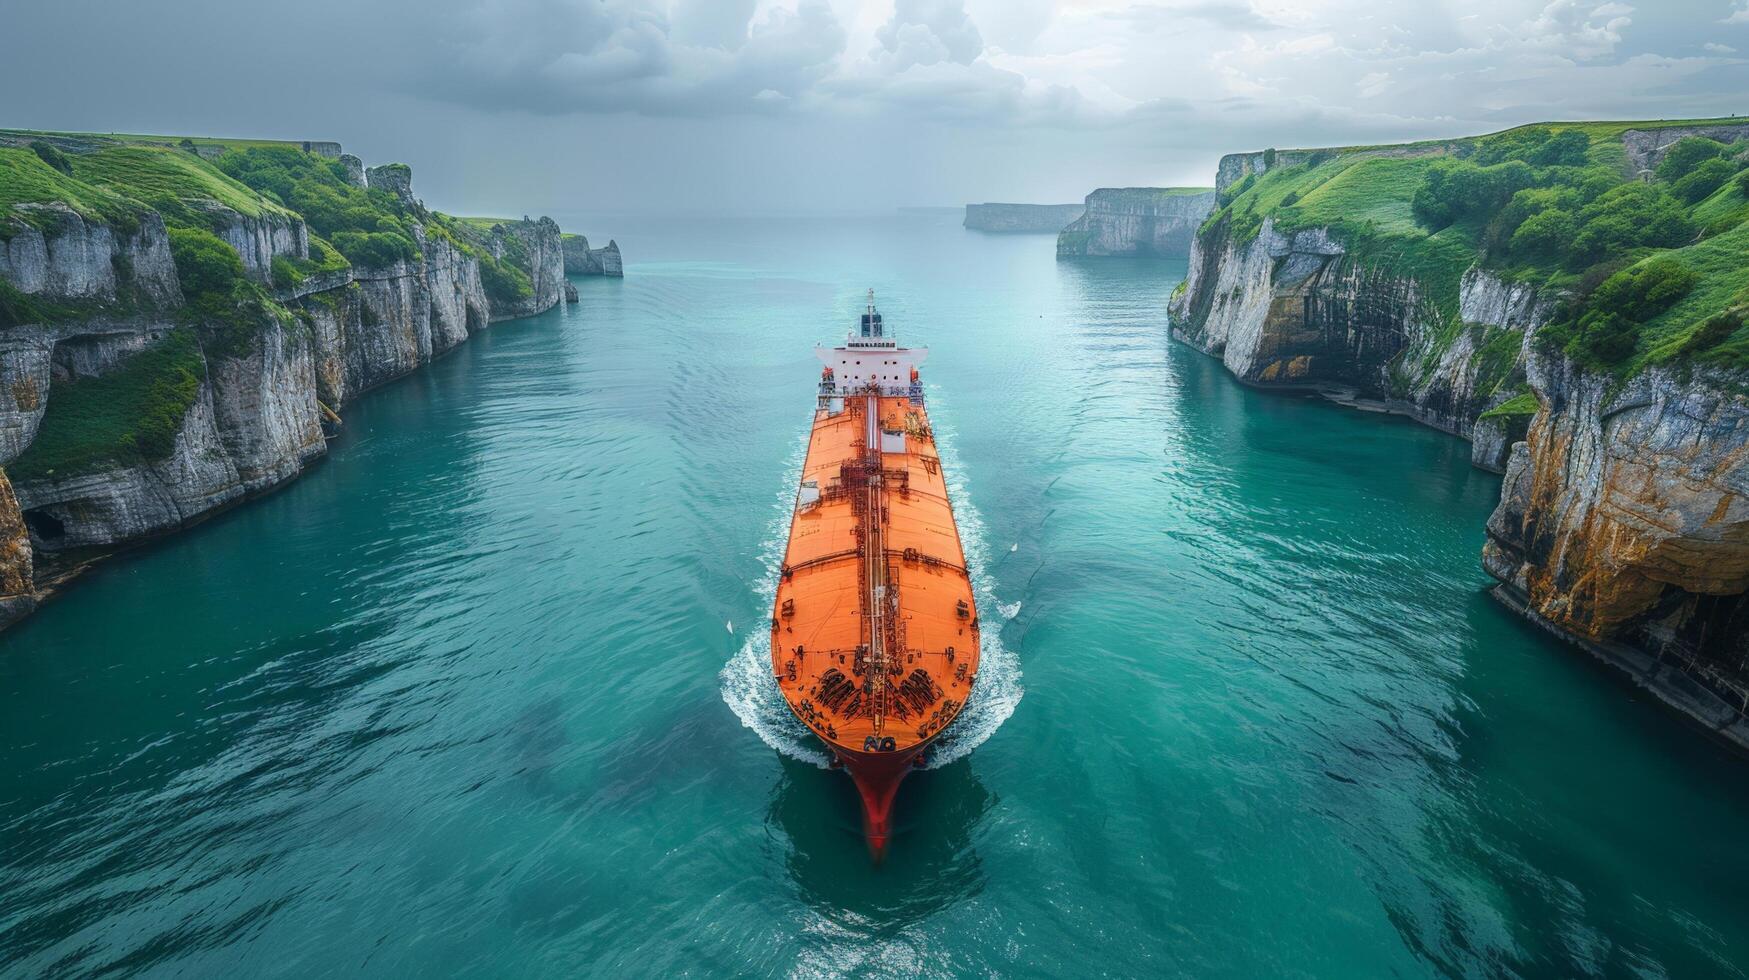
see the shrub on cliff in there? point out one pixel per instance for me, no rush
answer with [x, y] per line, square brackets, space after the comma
[1537, 146]
[370, 226]
[1698, 184]
[1607, 330]
[1688, 153]
[1630, 216]
[505, 284]
[375, 250]
[205, 263]
[1546, 233]
[1453, 190]
[1644, 291]
[1710, 335]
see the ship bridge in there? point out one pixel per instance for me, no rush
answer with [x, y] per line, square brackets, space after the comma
[872, 357]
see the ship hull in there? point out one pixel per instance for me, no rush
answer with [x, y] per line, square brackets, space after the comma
[874, 628]
[877, 776]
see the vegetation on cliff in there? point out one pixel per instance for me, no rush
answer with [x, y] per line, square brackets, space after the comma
[180, 186]
[27, 178]
[1654, 266]
[206, 192]
[369, 226]
[128, 416]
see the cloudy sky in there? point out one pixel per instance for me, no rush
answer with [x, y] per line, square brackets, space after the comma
[603, 106]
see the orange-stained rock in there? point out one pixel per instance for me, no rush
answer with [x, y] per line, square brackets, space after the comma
[17, 590]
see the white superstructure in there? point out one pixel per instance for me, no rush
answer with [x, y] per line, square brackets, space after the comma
[869, 357]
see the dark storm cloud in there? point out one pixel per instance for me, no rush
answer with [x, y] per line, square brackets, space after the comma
[560, 56]
[695, 102]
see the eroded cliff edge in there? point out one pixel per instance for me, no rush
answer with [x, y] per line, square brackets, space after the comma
[180, 330]
[581, 260]
[1595, 354]
[1150, 221]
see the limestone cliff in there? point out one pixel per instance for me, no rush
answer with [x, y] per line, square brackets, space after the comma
[90, 303]
[1033, 219]
[537, 248]
[1295, 308]
[1623, 522]
[1137, 221]
[581, 260]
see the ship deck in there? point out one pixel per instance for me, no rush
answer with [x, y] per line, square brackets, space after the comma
[875, 646]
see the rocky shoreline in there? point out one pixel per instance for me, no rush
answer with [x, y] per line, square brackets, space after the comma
[1623, 524]
[99, 304]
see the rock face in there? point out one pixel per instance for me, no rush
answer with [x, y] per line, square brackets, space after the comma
[259, 240]
[259, 416]
[17, 574]
[581, 260]
[1022, 218]
[1137, 221]
[108, 507]
[1292, 308]
[396, 178]
[88, 260]
[1646, 147]
[1647, 479]
[1623, 521]
[536, 246]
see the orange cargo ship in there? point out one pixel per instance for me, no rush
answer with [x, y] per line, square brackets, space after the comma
[874, 638]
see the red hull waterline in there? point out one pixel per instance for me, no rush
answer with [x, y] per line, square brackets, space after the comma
[877, 776]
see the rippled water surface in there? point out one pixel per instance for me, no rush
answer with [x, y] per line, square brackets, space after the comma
[465, 699]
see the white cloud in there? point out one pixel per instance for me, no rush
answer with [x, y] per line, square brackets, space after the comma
[1373, 83]
[1738, 16]
[1451, 65]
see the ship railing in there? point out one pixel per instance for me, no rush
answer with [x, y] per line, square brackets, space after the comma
[885, 391]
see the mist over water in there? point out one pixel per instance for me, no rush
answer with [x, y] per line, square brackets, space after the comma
[463, 700]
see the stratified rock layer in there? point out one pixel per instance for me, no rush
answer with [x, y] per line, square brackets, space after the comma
[263, 408]
[1623, 522]
[581, 260]
[1137, 221]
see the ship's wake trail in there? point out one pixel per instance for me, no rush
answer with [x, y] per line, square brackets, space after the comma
[752, 693]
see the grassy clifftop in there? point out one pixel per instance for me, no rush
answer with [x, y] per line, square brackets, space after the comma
[209, 193]
[1641, 225]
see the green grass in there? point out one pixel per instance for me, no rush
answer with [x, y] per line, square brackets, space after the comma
[1366, 197]
[1364, 201]
[1521, 404]
[1727, 207]
[171, 181]
[485, 224]
[1374, 190]
[1598, 130]
[26, 179]
[324, 258]
[1723, 265]
[143, 139]
[124, 418]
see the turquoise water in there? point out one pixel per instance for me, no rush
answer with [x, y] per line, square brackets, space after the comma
[465, 699]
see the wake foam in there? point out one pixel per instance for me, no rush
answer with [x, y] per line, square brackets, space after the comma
[752, 694]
